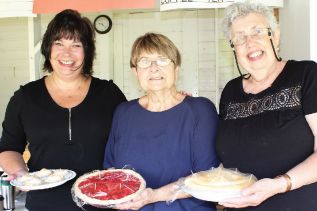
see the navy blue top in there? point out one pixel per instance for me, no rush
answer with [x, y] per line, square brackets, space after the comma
[165, 146]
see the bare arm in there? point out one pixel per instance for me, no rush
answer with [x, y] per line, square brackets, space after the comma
[12, 163]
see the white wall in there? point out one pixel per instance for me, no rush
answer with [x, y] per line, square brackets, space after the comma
[206, 57]
[295, 22]
[313, 30]
[13, 60]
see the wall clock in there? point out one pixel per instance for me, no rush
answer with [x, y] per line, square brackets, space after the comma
[102, 24]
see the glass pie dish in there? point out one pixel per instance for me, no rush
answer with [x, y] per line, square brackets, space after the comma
[217, 184]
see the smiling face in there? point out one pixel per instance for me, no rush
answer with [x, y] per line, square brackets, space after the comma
[156, 78]
[67, 57]
[255, 55]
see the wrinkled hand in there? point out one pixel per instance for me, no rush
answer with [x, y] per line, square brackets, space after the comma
[255, 194]
[16, 174]
[142, 199]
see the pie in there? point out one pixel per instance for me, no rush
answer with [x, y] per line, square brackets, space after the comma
[43, 173]
[53, 178]
[33, 181]
[43, 179]
[219, 179]
[108, 187]
[217, 184]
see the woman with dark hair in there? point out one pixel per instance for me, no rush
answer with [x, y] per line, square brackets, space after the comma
[69, 25]
[64, 117]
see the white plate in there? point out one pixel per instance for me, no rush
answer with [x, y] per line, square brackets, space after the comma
[210, 195]
[45, 185]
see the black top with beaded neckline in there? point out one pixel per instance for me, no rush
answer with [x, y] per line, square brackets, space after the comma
[266, 134]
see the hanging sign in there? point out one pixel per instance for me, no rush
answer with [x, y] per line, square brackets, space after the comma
[207, 4]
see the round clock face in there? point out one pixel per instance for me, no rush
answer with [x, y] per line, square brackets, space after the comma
[102, 24]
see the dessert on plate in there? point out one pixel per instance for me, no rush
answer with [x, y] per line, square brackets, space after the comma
[108, 187]
[217, 184]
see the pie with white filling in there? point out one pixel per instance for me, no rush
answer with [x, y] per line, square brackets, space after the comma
[219, 179]
[43, 179]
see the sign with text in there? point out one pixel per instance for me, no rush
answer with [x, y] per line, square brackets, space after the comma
[208, 4]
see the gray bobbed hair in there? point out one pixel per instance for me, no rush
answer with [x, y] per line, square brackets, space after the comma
[238, 10]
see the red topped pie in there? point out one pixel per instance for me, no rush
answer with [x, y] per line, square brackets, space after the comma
[108, 187]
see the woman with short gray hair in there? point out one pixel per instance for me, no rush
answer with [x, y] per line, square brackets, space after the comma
[268, 116]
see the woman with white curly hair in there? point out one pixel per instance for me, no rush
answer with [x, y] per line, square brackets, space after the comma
[268, 116]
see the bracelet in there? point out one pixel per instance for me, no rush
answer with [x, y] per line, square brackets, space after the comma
[288, 181]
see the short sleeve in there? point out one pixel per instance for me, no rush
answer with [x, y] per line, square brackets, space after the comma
[13, 136]
[203, 151]
[109, 150]
[309, 89]
[117, 93]
[118, 98]
[230, 90]
[222, 105]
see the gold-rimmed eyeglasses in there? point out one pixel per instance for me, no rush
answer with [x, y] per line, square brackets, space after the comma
[256, 33]
[147, 62]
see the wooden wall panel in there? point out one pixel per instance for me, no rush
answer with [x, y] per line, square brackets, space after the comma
[13, 59]
[194, 33]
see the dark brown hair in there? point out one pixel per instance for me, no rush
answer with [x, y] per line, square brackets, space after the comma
[69, 24]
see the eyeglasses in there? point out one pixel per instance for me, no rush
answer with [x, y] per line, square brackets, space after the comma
[147, 62]
[255, 34]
